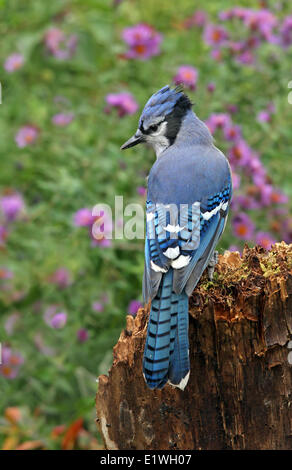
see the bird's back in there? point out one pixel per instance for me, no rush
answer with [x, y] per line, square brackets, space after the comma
[186, 174]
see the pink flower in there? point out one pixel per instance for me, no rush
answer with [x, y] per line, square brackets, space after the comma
[218, 121]
[13, 62]
[265, 239]
[133, 307]
[141, 191]
[26, 136]
[83, 218]
[82, 335]
[235, 180]
[97, 307]
[11, 362]
[59, 44]
[143, 41]
[263, 21]
[286, 32]
[240, 153]
[278, 197]
[232, 108]
[263, 116]
[125, 103]
[11, 206]
[246, 58]
[62, 119]
[101, 230]
[216, 54]
[232, 132]
[215, 35]
[59, 320]
[186, 75]
[211, 87]
[61, 278]
[243, 227]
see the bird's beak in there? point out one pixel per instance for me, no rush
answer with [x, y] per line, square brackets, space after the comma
[135, 140]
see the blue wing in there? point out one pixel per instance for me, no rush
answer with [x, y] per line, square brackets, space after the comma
[184, 243]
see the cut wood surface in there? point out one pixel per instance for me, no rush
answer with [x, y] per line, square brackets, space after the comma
[239, 392]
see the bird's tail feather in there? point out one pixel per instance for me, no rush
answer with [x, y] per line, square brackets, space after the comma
[179, 368]
[157, 347]
[166, 354]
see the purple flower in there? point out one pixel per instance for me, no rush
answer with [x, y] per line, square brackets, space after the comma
[133, 307]
[125, 103]
[5, 273]
[211, 87]
[82, 335]
[61, 277]
[62, 119]
[286, 32]
[263, 116]
[243, 227]
[278, 197]
[215, 35]
[13, 62]
[240, 153]
[83, 218]
[143, 41]
[187, 76]
[265, 239]
[216, 54]
[59, 320]
[11, 206]
[232, 132]
[218, 121]
[263, 21]
[11, 362]
[98, 307]
[232, 108]
[244, 201]
[101, 230]
[59, 44]
[141, 190]
[235, 180]
[26, 135]
[246, 58]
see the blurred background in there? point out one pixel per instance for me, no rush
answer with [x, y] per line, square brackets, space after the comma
[75, 75]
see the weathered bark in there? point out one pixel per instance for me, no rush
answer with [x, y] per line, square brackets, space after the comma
[239, 395]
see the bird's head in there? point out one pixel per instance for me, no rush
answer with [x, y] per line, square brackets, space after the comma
[161, 119]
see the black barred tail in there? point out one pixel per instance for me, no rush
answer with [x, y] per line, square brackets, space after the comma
[166, 355]
[179, 369]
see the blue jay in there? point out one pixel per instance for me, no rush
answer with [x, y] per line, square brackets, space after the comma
[189, 173]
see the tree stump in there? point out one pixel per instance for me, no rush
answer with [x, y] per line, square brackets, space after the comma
[239, 395]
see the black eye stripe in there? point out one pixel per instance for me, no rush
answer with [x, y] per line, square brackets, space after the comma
[150, 129]
[153, 128]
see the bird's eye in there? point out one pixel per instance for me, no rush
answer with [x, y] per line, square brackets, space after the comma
[153, 128]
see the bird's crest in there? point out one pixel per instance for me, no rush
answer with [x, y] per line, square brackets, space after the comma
[164, 101]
